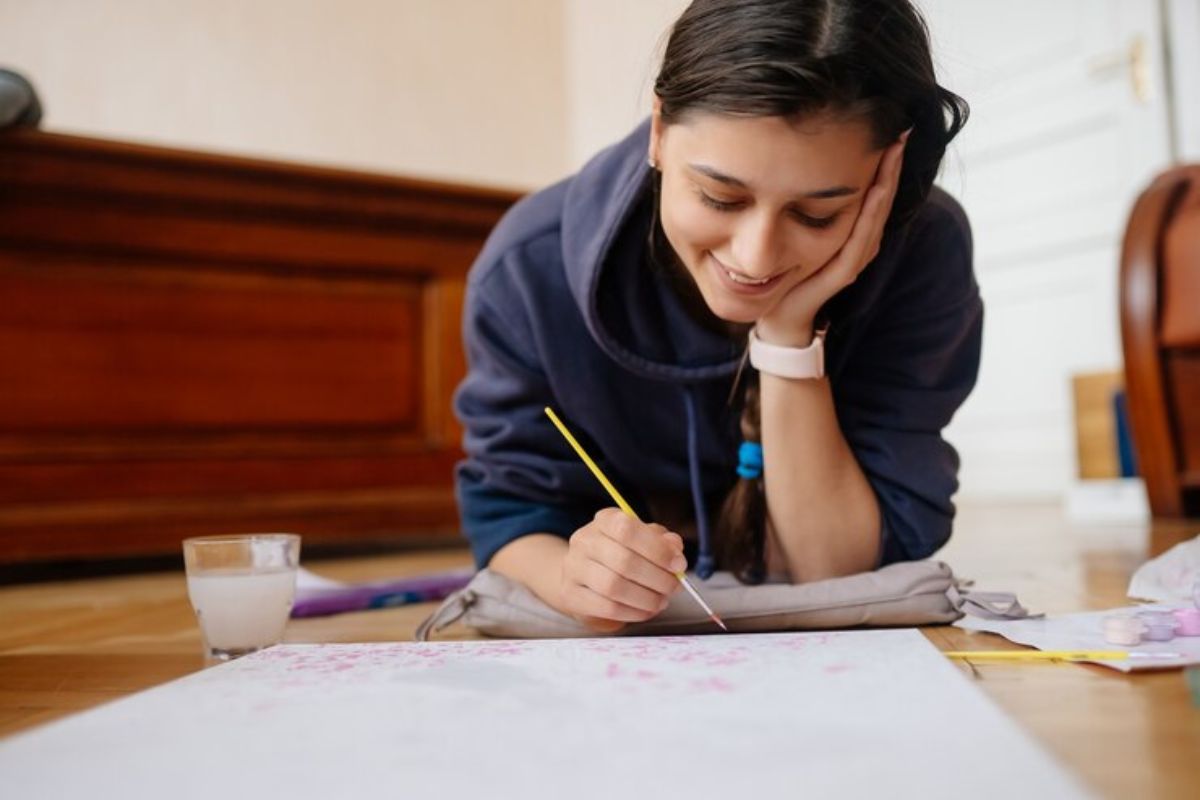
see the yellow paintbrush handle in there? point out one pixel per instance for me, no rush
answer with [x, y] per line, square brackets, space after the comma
[628, 509]
[1040, 655]
[612, 490]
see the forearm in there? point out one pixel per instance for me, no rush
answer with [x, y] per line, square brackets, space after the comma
[821, 510]
[535, 561]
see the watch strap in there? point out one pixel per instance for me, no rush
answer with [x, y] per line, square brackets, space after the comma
[789, 362]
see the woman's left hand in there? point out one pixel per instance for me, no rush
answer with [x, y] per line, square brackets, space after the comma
[790, 322]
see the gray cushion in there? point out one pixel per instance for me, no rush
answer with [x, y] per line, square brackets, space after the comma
[899, 595]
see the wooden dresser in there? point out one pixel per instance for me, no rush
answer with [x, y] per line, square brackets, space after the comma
[198, 344]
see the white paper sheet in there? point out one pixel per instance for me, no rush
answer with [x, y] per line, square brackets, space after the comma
[308, 582]
[845, 714]
[1173, 577]
[1084, 632]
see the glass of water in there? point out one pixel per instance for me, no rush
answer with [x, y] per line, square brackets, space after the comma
[242, 588]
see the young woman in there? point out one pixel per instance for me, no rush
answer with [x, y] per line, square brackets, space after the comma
[778, 205]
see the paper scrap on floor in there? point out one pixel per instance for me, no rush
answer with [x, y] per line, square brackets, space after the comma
[823, 714]
[308, 583]
[1083, 632]
[1173, 577]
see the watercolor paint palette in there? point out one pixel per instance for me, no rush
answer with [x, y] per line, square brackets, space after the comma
[1086, 631]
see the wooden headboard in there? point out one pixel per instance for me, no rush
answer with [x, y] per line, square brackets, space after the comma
[197, 344]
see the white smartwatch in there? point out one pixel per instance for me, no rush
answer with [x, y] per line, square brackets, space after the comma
[789, 362]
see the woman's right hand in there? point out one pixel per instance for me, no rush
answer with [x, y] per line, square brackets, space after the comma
[619, 570]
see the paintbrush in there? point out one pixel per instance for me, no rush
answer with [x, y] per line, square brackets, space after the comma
[620, 501]
[1056, 655]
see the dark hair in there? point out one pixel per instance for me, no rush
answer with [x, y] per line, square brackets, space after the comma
[865, 60]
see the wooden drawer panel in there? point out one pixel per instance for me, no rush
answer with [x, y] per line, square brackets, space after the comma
[122, 354]
[122, 474]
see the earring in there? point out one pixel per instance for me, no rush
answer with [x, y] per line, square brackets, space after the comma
[651, 162]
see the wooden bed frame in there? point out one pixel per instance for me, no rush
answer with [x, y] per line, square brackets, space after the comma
[198, 344]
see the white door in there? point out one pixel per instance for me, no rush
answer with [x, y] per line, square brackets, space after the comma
[1068, 124]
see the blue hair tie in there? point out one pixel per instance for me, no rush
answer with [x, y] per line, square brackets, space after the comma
[750, 460]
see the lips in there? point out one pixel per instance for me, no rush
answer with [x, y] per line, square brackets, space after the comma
[739, 283]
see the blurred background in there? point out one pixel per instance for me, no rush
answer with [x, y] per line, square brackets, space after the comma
[1076, 105]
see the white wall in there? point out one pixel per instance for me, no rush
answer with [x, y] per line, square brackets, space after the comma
[1183, 34]
[1061, 141]
[613, 51]
[454, 89]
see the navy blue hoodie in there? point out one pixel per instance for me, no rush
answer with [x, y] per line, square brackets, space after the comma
[561, 310]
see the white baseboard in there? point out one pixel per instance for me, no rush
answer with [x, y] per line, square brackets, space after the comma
[1119, 500]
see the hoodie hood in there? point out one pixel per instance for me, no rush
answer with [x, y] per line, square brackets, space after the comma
[632, 311]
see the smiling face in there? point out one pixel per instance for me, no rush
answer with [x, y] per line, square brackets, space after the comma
[754, 205]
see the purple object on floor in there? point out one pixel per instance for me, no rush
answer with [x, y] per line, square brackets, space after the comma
[385, 594]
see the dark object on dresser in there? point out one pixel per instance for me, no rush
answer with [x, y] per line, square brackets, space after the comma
[19, 104]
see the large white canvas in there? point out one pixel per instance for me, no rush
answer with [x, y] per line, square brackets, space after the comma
[842, 714]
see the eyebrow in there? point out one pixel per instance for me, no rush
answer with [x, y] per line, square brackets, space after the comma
[729, 180]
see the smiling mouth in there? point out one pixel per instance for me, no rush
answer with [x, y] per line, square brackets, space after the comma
[733, 276]
[745, 283]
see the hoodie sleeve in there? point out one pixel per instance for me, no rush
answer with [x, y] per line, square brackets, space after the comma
[514, 480]
[915, 366]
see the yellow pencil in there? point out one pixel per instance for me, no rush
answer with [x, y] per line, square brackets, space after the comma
[1055, 655]
[612, 491]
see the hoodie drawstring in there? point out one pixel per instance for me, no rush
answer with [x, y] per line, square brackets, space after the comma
[705, 563]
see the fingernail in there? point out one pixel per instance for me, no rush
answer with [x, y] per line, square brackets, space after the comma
[678, 564]
[904, 136]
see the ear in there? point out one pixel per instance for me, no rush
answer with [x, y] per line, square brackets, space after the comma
[656, 130]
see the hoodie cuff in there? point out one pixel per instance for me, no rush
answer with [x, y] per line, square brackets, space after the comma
[492, 519]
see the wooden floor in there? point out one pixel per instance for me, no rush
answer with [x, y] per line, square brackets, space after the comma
[71, 645]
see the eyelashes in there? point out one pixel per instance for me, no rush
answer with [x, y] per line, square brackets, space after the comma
[719, 205]
[804, 219]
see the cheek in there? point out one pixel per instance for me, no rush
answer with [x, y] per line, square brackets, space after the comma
[690, 228]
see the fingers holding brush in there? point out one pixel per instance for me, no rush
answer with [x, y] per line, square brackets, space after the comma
[620, 570]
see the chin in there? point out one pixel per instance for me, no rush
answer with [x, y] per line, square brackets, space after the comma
[730, 309]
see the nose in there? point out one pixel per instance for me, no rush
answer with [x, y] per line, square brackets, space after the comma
[757, 245]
